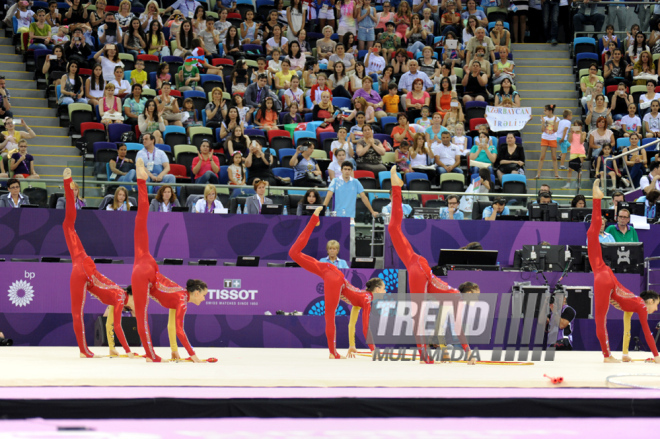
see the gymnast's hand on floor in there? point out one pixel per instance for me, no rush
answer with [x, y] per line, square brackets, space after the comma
[132, 355]
[114, 353]
[176, 356]
[196, 360]
[351, 352]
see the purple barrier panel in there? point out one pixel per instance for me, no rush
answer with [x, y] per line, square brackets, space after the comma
[38, 232]
[427, 237]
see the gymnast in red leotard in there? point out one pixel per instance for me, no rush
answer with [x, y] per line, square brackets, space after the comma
[85, 277]
[147, 281]
[608, 290]
[335, 287]
[420, 278]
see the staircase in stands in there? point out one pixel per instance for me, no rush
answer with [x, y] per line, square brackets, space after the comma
[544, 75]
[51, 149]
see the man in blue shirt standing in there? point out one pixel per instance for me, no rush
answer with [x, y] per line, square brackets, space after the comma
[346, 190]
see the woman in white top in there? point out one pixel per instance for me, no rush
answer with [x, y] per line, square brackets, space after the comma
[95, 85]
[109, 59]
[295, 15]
[648, 97]
[209, 204]
[334, 170]
[150, 13]
[420, 154]
[294, 94]
[277, 41]
[652, 121]
[296, 57]
[120, 201]
[342, 143]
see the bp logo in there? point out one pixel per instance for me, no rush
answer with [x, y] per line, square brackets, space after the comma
[21, 293]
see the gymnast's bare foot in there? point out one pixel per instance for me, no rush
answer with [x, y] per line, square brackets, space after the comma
[597, 192]
[626, 359]
[90, 355]
[132, 355]
[140, 170]
[394, 178]
[156, 359]
[611, 359]
[67, 173]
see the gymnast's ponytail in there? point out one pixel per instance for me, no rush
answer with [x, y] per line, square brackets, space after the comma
[374, 283]
[648, 294]
[195, 285]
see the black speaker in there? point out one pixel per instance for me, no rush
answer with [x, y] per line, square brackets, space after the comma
[581, 299]
[128, 324]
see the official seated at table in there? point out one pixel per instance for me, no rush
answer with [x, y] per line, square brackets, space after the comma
[254, 203]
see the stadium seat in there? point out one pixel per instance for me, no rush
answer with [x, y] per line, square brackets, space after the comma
[451, 182]
[115, 130]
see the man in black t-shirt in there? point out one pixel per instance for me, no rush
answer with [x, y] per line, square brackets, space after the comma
[564, 340]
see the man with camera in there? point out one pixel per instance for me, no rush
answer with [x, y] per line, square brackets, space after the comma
[77, 49]
[564, 341]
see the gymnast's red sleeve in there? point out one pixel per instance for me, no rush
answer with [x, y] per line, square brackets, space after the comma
[181, 334]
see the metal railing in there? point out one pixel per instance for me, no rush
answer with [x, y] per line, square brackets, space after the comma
[648, 270]
[625, 165]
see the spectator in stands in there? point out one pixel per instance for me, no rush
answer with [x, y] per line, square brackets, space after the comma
[598, 110]
[254, 203]
[503, 68]
[155, 160]
[21, 163]
[451, 212]
[644, 65]
[374, 63]
[184, 39]
[475, 84]
[346, 189]
[95, 86]
[650, 182]
[403, 131]
[589, 13]
[109, 32]
[480, 40]
[498, 208]
[258, 164]
[340, 55]
[236, 170]
[120, 202]
[451, 20]
[650, 205]
[637, 48]
[306, 169]
[416, 35]
[484, 63]
[108, 56]
[216, 110]
[420, 153]
[416, 99]
[652, 121]
[256, 93]
[500, 36]
[151, 121]
[579, 202]
[71, 89]
[333, 251]
[344, 143]
[53, 69]
[334, 169]
[369, 152]
[617, 69]
[110, 108]
[78, 50]
[53, 17]
[311, 197]
[471, 10]
[267, 116]
[648, 97]
[209, 204]
[407, 79]
[623, 231]
[80, 201]
[454, 117]
[186, 7]
[124, 15]
[14, 198]
[620, 102]
[237, 141]
[635, 161]
[156, 42]
[211, 38]
[371, 96]
[39, 33]
[165, 200]
[13, 137]
[122, 168]
[483, 154]
[134, 105]
[122, 86]
[590, 80]
[135, 38]
[277, 41]
[631, 123]
[206, 165]
[510, 157]
[436, 129]
[168, 106]
[507, 91]
[447, 155]
[5, 105]
[339, 81]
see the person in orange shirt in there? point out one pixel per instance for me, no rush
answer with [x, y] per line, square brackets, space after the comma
[391, 100]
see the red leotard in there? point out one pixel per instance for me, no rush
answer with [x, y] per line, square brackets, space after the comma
[608, 290]
[420, 278]
[148, 281]
[335, 286]
[85, 277]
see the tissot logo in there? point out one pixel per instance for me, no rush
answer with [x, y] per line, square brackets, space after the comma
[232, 283]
